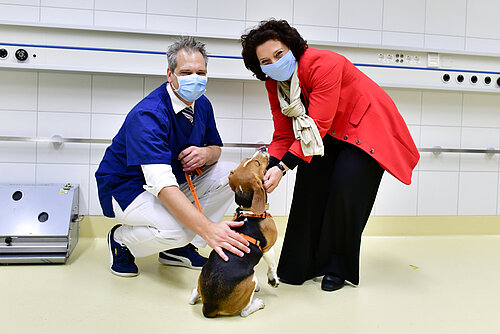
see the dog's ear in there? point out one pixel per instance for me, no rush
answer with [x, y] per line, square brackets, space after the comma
[231, 183]
[259, 196]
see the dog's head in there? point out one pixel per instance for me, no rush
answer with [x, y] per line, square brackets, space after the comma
[246, 182]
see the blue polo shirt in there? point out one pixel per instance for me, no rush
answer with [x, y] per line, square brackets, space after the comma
[151, 134]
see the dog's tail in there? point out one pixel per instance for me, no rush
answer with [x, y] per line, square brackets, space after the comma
[210, 310]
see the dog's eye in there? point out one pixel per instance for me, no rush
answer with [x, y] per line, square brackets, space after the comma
[258, 162]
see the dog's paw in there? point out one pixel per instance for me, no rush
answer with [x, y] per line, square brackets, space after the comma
[274, 282]
[255, 305]
[195, 297]
[259, 303]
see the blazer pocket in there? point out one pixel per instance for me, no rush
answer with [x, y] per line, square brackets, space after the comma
[359, 110]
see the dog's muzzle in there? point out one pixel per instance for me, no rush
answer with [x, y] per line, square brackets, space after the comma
[261, 151]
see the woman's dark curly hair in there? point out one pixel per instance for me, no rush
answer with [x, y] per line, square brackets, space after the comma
[266, 30]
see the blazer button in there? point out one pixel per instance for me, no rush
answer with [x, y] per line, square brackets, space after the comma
[372, 151]
[358, 142]
[346, 137]
[334, 132]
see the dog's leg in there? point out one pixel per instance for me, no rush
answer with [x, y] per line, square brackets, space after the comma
[195, 297]
[272, 277]
[257, 286]
[255, 303]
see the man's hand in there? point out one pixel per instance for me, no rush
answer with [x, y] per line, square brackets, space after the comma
[221, 236]
[217, 236]
[196, 157]
[272, 179]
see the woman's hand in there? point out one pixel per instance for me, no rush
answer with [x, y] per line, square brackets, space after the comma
[221, 236]
[272, 179]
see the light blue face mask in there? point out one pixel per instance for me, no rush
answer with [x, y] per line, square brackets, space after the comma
[192, 86]
[281, 70]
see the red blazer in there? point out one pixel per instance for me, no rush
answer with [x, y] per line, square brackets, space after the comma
[349, 106]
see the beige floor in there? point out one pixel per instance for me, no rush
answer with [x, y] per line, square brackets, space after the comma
[408, 285]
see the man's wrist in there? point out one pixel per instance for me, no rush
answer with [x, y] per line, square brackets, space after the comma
[214, 154]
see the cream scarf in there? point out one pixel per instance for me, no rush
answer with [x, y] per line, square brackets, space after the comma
[304, 128]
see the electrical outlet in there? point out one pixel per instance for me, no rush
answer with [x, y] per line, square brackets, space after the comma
[4, 53]
[399, 57]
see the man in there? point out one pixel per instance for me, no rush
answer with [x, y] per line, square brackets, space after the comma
[141, 180]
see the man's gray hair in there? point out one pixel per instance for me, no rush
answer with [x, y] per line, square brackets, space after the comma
[187, 43]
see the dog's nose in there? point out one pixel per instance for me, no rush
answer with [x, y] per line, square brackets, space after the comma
[261, 151]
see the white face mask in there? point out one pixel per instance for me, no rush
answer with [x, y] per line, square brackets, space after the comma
[191, 87]
[281, 70]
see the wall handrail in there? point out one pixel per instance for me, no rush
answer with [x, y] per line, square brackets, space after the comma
[58, 140]
[439, 149]
[55, 139]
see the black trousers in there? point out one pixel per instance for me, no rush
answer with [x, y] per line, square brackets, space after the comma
[332, 201]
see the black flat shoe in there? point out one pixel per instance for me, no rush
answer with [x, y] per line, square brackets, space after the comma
[331, 282]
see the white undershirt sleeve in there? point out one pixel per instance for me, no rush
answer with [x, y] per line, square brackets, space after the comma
[158, 176]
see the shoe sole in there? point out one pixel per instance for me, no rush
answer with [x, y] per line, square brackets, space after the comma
[111, 261]
[332, 289]
[181, 263]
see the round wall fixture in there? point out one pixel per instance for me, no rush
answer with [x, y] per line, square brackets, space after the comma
[487, 80]
[446, 77]
[460, 78]
[3, 53]
[17, 195]
[473, 79]
[498, 82]
[21, 54]
[43, 217]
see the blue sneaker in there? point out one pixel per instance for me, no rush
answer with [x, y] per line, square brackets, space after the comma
[186, 256]
[122, 261]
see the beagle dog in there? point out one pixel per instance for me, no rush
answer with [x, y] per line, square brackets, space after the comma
[227, 288]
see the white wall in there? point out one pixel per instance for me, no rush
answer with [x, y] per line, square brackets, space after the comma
[43, 103]
[457, 25]
[450, 183]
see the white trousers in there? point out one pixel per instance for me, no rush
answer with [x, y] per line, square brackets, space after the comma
[149, 228]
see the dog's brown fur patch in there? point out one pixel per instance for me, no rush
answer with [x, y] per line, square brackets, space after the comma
[270, 232]
[236, 301]
[242, 294]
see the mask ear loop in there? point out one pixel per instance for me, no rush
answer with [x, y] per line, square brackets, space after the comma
[172, 83]
[178, 82]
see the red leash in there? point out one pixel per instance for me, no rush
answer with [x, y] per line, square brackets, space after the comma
[191, 187]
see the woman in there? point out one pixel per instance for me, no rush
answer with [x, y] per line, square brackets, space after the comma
[342, 131]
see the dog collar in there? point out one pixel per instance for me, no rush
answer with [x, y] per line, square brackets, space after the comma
[249, 214]
[241, 208]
